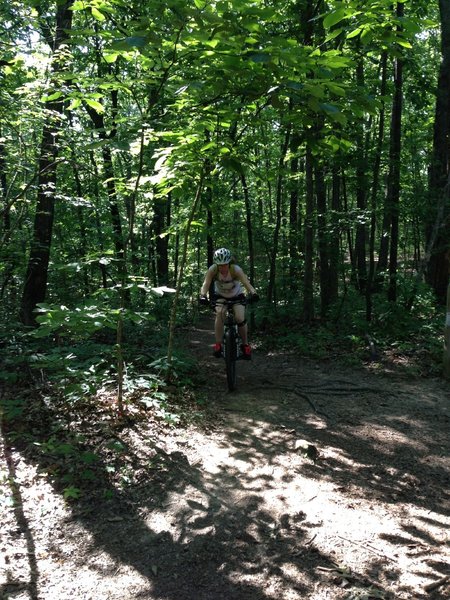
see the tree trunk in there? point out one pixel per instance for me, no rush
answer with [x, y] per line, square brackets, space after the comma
[333, 284]
[438, 245]
[374, 193]
[361, 195]
[161, 208]
[322, 238]
[36, 277]
[393, 195]
[249, 224]
[308, 280]
[294, 221]
[446, 357]
[278, 203]
[5, 208]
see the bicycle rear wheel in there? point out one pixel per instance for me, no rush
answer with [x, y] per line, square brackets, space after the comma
[230, 359]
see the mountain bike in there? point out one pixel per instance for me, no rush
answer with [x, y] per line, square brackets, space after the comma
[231, 345]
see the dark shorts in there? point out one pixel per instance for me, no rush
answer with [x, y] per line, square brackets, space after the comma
[238, 297]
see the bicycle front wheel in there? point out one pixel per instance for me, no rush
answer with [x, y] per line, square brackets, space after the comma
[230, 359]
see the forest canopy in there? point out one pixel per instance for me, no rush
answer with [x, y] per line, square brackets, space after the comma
[308, 137]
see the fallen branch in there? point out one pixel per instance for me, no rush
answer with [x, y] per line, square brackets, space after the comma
[430, 587]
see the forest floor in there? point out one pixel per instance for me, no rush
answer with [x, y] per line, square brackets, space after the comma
[312, 480]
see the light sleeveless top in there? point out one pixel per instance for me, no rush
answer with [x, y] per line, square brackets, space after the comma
[228, 286]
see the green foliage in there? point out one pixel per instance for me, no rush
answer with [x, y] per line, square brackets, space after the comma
[411, 337]
[64, 418]
[82, 321]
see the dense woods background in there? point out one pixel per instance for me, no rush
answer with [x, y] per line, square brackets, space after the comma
[309, 137]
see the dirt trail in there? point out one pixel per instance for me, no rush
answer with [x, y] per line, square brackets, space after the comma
[242, 510]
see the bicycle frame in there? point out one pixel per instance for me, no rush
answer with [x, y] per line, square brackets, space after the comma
[231, 347]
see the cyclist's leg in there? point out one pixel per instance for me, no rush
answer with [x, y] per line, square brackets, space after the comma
[239, 315]
[218, 324]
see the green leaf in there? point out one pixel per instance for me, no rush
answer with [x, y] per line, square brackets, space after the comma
[315, 90]
[71, 492]
[89, 458]
[329, 108]
[110, 57]
[79, 5]
[403, 43]
[51, 97]
[259, 57]
[334, 17]
[97, 14]
[208, 146]
[75, 103]
[366, 36]
[233, 163]
[200, 4]
[354, 33]
[95, 105]
[336, 89]
[334, 34]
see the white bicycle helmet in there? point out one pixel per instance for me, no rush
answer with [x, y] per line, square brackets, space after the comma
[222, 256]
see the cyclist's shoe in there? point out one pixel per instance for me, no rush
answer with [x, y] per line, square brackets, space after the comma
[217, 350]
[246, 352]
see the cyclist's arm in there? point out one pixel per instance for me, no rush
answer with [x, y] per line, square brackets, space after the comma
[244, 280]
[207, 282]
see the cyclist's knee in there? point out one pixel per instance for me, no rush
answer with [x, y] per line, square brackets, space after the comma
[242, 323]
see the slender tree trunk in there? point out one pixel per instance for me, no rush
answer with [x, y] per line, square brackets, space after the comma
[278, 209]
[361, 194]
[98, 226]
[394, 169]
[375, 190]
[173, 314]
[308, 280]
[159, 227]
[99, 124]
[82, 245]
[322, 239]
[36, 277]
[5, 208]
[333, 285]
[348, 230]
[251, 250]
[249, 227]
[294, 221]
[209, 215]
[8, 268]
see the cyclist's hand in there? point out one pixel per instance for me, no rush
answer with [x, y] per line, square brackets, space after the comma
[203, 300]
[254, 298]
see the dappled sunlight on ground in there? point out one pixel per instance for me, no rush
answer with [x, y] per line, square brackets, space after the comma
[308, 482]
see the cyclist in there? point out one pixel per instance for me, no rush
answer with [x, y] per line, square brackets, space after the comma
[229, 283]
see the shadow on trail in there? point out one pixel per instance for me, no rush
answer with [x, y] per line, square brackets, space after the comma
[235, 529]
[375, 444]
[381, 441]
[219, 545]
[14, 583]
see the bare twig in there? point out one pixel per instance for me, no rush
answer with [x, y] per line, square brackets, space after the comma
[297, 393]
[368, 547]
